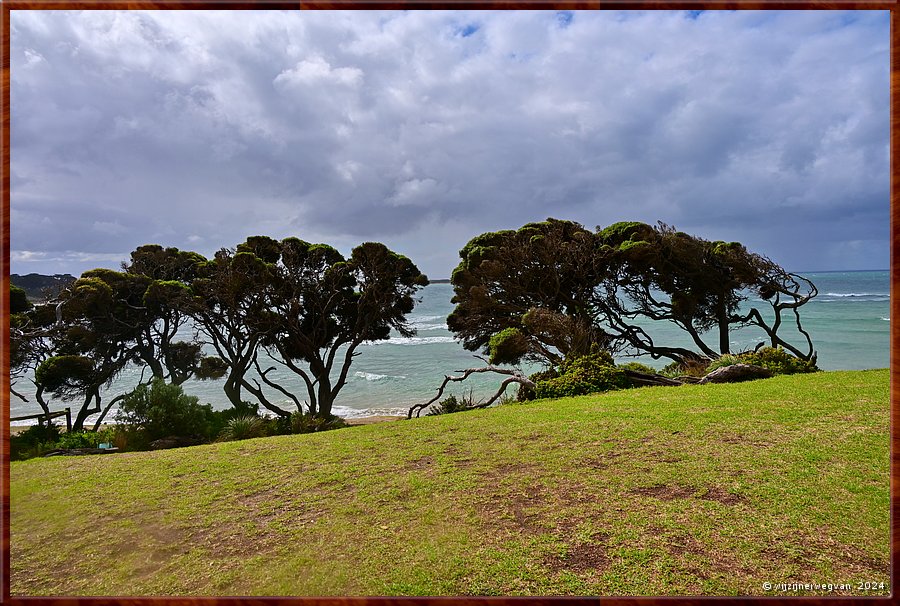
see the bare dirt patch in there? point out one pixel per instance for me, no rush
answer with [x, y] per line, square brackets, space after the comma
[583, 557]
[664, 457]
[737, 438]
[517, 510]
[722, 496]
[666, 492]
[513, 510]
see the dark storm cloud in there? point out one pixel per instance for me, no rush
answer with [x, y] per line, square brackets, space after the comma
[422, 129]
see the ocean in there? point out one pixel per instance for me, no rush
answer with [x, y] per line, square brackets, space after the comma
[848, 321]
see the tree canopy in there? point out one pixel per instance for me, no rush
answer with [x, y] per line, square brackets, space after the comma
[554, 290]
[301, 306]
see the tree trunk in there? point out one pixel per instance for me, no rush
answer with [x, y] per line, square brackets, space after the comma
[232, 390]
[78, 424]
[724, 343]
[325, 397]
[106, 410]
[39, 396]
[649, 380]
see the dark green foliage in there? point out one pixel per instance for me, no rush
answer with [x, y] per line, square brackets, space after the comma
[775, 359]
[723, 361]
[778, 361]
[638, 367]
[538, 280]
[453, 404]
[211, 367]
[219, 419]
[18, 300]
[86, 439]
[586, 374]
[507, 346]
[526, 393]
[244, 428]
[64, 375]
[33, 442]
[160, 410]
[306, 423]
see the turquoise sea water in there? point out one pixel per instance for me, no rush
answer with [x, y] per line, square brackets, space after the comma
[848, 321]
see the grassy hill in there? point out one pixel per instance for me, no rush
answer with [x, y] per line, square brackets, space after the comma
[713, 489]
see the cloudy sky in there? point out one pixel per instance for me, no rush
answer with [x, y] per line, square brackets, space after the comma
[423, 129]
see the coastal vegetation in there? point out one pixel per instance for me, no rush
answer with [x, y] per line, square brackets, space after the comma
[551, 292]
[697, 490]
[300, 306]
[559, 295]
[554, 289]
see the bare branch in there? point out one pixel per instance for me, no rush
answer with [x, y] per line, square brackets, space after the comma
[516, 376]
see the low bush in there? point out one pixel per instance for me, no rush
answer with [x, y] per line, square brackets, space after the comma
[33, 442]
[778, 361]
[219, 419]
[587, 374]
[452, 404]
[723, 361]
[244, 428]
[304, 423]
[638, 367]
[86, 439]
[690, 368]
[160, 410]
[525, 394]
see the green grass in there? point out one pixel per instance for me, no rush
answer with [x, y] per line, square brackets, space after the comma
[704, 490]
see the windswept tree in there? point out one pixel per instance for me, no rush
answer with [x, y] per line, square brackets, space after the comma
[159, 342]
[97, 323]
[528, 294]
[31, 332]
[105, 322]
[321, 307]
[226, 297]
[659, 273]
[553, 291]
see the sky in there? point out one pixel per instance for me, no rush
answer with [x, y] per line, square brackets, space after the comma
[424, 129]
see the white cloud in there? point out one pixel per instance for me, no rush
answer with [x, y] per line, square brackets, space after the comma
[366, 125]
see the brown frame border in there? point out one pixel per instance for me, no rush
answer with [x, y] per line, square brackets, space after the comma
[891, 5]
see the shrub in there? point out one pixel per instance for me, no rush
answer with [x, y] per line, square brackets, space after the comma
[218, 419]
[304, 423]
[452, 404]
[33, 442]
[638, 367]
[507, 346]
[690, 368]
[778, 361]
[86, 439]
[723, 361]
[526, 393]
[588, 374]
[244, 428]
[160, 410]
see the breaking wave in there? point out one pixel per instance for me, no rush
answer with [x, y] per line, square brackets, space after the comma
[371, 376]
[411, 341]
